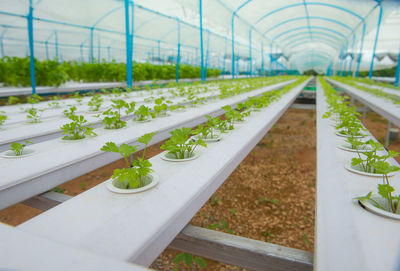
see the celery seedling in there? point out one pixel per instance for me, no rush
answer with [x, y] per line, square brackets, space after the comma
[3, 117]
[75, 129]
[142, 113]
[136, 171]
[180, 146]
[34, 115]
[95, 102]
[18, 148]
[70, 111]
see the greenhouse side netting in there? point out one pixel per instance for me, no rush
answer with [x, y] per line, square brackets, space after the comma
[251, 37]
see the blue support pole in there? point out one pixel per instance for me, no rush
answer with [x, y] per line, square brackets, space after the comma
[56, 43]
[345, 65]
[81, 50]
[201, 40]
[159, 52]
[361, 49]
[1, 47]
[223, 61]
[262, 59]
[128, 41]
[371, 68]
[207, 54]
[250, 56]
[31, 49]
[109, 53]
[233, 45]
[352, 57]
[178, 57]
[91, 45]
[396, 81]
[270, 60]
[46, 45]
[197, 57]
[98, 51]
[237, 66]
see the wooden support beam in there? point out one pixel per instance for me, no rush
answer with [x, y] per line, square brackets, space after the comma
[240, 251]
[46, 200]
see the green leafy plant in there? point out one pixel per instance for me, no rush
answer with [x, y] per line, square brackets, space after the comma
[34, 115]
[176, 107]
[3, 117]
[385, 190]
[112, 119]
[180, 146]
[232, 115]
[18, 148]
[244, 109]
[370, 161]
[142, 113]
[95, 102]
[216, 124]
[13, 100]
[187, 260]
[55, 102]
[78, 98]
[160, 108]
[136, 171]
[76, 130]
[70, 111]
[34, 99]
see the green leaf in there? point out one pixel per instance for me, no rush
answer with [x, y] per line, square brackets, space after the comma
[145, 139]
[178, 258]
[200, 262]
[384, 190]
[188, 259]
[110, 147]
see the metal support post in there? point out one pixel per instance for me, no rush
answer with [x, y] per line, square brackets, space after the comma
[371, 68]
[178, 57]
[31, 48]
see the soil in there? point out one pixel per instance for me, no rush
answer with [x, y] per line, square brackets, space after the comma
[377, 125]
[269, 197]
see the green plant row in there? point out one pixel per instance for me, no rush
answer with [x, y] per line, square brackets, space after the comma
[15, 71]
[388, 72]
[374, 91]
[368, 81]
[371, 157]
[181, 144]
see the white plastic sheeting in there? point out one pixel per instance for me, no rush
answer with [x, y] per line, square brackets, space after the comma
[302, 34]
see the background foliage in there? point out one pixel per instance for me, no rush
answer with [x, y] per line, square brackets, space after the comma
[14, 71]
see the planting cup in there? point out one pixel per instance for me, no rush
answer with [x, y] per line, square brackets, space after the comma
[76, 140]
[151, 180]
[339, 134]
[347, 147]
[358, 169]
[142, 121]
[11, 154]
[217, 137]
[369, 206]
[171, 158]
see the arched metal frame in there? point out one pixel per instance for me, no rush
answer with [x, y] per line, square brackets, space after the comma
[315, 38]
[305, 33]
[130, 33]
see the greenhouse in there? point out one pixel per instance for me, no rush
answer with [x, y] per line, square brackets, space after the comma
[199, 135]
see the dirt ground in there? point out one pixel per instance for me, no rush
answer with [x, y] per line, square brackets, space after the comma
[377, 125]
[269, 197]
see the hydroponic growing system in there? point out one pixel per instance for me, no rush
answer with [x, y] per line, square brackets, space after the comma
[86, 83]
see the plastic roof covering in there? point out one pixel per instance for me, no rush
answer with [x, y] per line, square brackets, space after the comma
[301, 34]
[155, 35]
